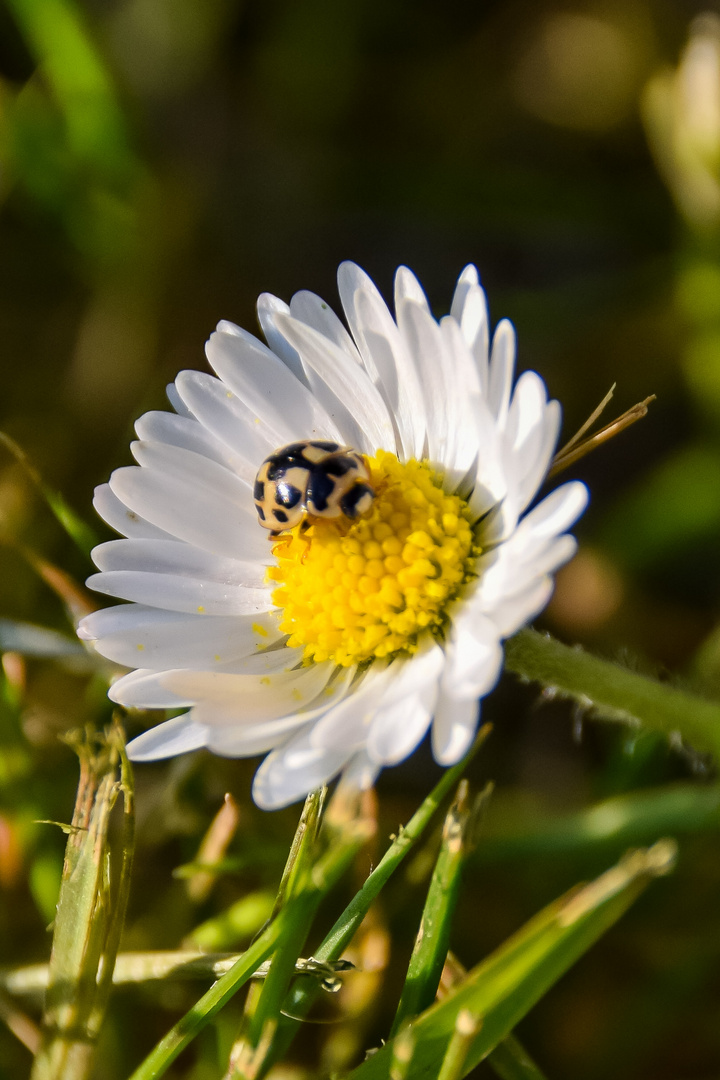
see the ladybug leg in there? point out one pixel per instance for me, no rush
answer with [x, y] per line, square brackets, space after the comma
[305, 525]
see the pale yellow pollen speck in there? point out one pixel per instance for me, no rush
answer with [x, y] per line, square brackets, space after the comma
[140, 647]
[260, 630]
[217, 659]
[265, 680]
[201, 610]
[352, 591]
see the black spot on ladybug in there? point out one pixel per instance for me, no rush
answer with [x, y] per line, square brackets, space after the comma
[261, 512]
[339, 466]
[280, 515]
[320, 488]
[287, 495]
[357, 500]
[259, 491]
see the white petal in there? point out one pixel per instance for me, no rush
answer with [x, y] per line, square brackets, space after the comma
[360, 773]
[399, 727]
[469, 309]
[397, 376]
[346, 726]
[463, 397]
[165, 427]
[268, 392]
[146, 689]
[313, 311]
[557, 512]
[513, 569]
[176, 736]
[176, 592]
[177, 402]
[502, 366]
[407, 287]
[121, 518]
[268, 308]
[295, 769]
[534, 469]
[343, 387]
[526, 409]
[521, 608]
[422, 339]
[229, 420]
[184, 506]
[474, 655]
[247, 740]
[454, 726]
[253, 697]
[132, 633]
[176, 557]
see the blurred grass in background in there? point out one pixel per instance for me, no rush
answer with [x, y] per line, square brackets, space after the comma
[162, 162]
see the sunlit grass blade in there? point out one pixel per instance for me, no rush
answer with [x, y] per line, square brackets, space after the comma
[509, 1059]
[613, 690]
[191, 1024]
[90, 911]
[300, 901]
[431, 944]
[622, 821]
[505, 986]
[452, 1066]
[82, 535]
[341, 934]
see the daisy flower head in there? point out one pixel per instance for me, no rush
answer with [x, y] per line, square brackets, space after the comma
[339, 643]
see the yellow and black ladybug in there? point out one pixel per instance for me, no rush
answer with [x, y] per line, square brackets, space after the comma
[313, 477]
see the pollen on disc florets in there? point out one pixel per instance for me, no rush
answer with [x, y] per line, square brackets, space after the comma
[352, 591]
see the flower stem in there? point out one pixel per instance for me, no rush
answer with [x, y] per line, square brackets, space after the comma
[613, 690]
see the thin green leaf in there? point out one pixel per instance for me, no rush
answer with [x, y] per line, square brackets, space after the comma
[82, 535]
[191, 1024]
[452, 1066]
[431, 944]
[613, 690]
[503, 988]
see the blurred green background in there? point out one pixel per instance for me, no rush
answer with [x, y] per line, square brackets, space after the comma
[162, 162]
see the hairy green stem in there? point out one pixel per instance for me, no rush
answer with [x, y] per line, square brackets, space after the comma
[614, 690]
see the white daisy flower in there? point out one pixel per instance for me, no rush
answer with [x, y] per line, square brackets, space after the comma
[337, 646]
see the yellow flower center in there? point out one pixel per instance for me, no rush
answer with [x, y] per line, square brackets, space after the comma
[352, 591]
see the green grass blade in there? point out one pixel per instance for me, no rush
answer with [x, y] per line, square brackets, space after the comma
[613, 690]
[432, 942]
[621, 821]
[82, 535]
[504, 987]
[301, 997]
[191, 1024]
